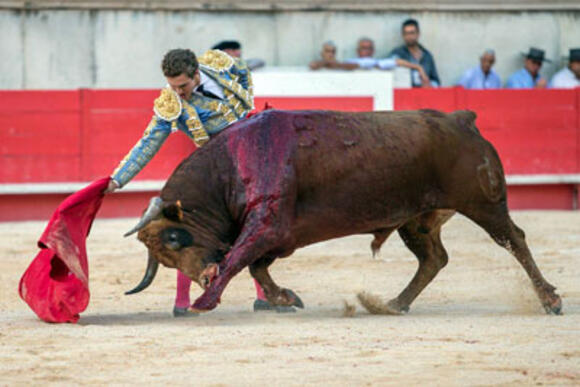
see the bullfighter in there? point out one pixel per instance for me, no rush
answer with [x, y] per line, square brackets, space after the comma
[204, 96]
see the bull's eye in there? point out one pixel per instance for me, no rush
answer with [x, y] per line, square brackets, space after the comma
[176, 238]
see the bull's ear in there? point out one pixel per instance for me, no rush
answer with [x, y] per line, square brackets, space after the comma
[173, 211]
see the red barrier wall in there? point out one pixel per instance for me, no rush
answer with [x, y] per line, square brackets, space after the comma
[81, 135]
[534, 131]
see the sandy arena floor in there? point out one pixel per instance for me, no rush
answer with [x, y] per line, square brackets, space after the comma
[478, 323]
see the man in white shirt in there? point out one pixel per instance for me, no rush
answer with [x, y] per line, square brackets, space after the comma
[568, 77]
[365, 60]
[482, 76]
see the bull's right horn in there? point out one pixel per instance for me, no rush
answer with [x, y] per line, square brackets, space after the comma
[152, 212]
[152, 265]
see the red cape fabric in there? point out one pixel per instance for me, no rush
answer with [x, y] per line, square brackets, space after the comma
[56, 284]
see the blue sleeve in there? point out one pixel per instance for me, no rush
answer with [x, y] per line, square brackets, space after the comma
[154, 136]
[387, 63]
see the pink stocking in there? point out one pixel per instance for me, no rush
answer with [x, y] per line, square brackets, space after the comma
[259, 291]
[182, 294]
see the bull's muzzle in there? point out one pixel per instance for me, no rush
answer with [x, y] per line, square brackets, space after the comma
[208, 274]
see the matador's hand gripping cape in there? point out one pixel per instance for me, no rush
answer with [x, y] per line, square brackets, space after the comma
[56, 284]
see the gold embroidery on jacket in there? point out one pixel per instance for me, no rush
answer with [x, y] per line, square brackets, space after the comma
[216, 59]
[194, 125]
[168, 105]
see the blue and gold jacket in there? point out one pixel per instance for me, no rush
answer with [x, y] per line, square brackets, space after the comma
[199, 117]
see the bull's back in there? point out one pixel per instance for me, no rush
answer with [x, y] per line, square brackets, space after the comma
[373, 170]
[381, 148]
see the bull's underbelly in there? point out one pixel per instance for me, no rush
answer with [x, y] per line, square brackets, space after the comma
[342, 215]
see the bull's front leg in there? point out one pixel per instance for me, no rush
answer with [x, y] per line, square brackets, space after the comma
[259, 236]
[242, 254]
[276, 295]
[270, 208]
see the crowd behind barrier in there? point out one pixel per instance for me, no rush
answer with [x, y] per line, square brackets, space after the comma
[421, 64]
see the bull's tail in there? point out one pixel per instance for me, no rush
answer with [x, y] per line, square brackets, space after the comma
[491, 179]
[490, 175]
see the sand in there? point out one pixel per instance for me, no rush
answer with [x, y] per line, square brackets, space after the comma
[478, 323]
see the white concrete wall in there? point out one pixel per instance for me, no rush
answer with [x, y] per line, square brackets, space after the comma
[123, 49]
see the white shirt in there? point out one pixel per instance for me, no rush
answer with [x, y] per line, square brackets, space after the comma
[210, 85]
[369, 63]
[564, 79]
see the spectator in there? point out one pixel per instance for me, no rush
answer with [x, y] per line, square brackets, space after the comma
[529, 76]
[414, 52]
[482, 76]
[328, 59]
[234, 48]
[568, 77]
[365, 60]
[365, 50]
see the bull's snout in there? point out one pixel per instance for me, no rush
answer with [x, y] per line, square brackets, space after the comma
[208, 275]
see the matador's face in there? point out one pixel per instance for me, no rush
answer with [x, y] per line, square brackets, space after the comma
[183, 84]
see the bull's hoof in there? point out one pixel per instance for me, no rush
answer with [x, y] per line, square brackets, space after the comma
[265, 306]
[296, 301]
[554, 307]
[375, 305]
[184, 312]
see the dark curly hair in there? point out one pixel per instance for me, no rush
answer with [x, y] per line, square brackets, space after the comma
[179, 61]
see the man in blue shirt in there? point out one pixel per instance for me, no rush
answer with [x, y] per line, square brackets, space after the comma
[413, 52]
[529, 76]
[482, 76]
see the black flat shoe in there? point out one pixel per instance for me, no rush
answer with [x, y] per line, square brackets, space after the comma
[264, 306]
[183, 312]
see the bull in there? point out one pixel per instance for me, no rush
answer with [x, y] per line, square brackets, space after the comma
[283, 180]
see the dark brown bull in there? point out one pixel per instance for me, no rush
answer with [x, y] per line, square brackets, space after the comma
[283, 180]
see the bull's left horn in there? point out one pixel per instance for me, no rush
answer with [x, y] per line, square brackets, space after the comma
[152, 265]
[153, 210]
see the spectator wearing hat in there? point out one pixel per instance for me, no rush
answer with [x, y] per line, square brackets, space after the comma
[482, 76]
[414, 52]
[568, 77]
[234, 48]
[529, 76]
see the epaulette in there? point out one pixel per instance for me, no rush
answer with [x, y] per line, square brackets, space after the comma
[168, 105]
[216, 59]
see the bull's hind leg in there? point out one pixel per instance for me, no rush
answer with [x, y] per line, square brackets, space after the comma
[276, 295]
[422, 236]
[495, 219]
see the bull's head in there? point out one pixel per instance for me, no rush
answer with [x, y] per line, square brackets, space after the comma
[177, 242]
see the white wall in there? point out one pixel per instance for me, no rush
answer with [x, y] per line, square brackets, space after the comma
[123, 49]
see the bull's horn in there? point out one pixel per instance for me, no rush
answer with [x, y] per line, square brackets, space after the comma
[153, 210]
[150, 272]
